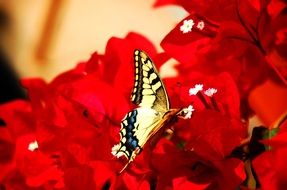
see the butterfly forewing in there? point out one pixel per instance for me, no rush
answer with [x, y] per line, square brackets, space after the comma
[148, 89]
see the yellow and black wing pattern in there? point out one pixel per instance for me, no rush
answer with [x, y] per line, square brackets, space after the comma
[141, 123]
[149, 90]
[136, 129]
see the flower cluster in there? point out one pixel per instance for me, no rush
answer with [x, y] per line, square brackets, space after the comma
[62, 137]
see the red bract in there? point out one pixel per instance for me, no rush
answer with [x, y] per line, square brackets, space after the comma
[227, 98]
[14, 128]
[193, 42]
[277, 44]
[211, 53]
[270, 166]
[119, 59]
[62, 137]
[185, 168]
[204, 141]
[27, 166]
[74, 120]
[249, 44]
[240, 41]
[212, 136]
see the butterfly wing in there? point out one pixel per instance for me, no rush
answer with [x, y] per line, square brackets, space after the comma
[140, 124]
[136, 128]
[148, 89]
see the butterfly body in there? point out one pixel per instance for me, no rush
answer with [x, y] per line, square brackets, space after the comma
[153, 115]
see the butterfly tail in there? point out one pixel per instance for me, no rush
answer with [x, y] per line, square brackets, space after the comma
[126, 165]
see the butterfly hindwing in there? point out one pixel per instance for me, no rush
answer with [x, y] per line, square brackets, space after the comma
[136, 128]
[148, 89]
[129, 142]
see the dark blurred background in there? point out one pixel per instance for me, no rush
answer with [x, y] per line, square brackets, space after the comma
[9, 81]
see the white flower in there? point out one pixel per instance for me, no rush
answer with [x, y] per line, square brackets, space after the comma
[209, 92]
[187, 26]
[188, 112]
[33, 146]
[200, 25]
[196, 89]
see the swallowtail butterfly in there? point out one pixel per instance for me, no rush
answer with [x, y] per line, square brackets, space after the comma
[153, 113]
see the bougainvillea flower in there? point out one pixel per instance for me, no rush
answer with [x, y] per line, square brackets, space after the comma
[74, 121]
[184, 168]
[66, 129]
[34, 166]
[270, 166]
[254, 28]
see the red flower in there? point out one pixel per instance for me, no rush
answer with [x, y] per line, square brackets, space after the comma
[68, 127]
[248, 27]
[33, 167]
[73, 122]
[177, 168]
[270, 166]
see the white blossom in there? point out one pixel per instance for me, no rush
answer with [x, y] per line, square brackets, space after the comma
[33, 146]
[195, 89]
[200, 25]
[209, 92]
[187, 26]
[188, 112]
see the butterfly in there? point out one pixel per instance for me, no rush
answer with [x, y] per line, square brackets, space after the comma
[153, 113]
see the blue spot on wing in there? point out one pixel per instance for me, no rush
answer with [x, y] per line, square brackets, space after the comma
[132, 118]
[130, 127]
[131, 142]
